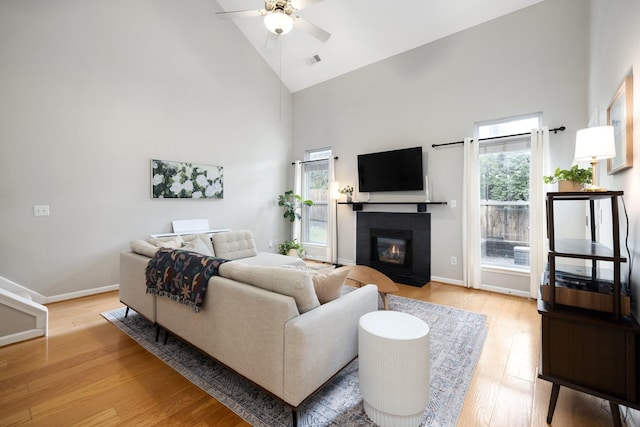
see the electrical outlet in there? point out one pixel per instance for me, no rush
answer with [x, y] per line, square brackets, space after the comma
[453, 204]
[454, 260]
[270, 243]
[41, 210]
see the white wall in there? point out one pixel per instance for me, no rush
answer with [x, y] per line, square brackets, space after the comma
[529, 61]
[90, 91]
[614, 53]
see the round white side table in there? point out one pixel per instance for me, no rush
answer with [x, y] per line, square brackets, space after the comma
[393, 357]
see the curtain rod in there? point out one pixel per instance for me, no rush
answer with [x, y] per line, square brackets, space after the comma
[554, 130]
[312, 161]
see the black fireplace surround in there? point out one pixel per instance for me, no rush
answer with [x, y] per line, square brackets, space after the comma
[396, 244]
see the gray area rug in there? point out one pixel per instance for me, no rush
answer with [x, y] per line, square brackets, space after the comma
[456, 340]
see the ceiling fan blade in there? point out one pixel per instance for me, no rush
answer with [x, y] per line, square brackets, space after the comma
[311, 29]
[241, 14]
[271, 41]
[301, 4]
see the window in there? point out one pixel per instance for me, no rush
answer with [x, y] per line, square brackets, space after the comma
[504, 164]
[315, 186]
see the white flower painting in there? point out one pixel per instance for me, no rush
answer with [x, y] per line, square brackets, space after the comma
[178, 180]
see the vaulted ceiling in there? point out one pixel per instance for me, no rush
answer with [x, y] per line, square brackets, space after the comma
[362, 32]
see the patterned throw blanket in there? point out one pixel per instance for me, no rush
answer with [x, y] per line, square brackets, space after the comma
[181, 275]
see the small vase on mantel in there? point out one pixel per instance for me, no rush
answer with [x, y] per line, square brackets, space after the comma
[349, 198]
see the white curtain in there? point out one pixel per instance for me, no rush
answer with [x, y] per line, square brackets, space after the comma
[537, 208]
[332, 223]
[471, 215]
[296, 226]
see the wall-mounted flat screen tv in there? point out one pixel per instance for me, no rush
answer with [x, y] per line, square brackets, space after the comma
[396, 170]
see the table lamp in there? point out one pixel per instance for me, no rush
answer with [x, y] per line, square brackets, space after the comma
[592, 145]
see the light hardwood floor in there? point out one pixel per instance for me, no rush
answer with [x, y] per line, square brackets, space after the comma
[87, 372]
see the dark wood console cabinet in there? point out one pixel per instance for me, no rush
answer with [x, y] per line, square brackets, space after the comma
[592, 351]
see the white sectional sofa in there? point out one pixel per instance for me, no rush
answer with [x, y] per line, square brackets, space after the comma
[261, 320]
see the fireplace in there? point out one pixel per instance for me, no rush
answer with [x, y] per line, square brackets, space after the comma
[390, 247]
[396, 244]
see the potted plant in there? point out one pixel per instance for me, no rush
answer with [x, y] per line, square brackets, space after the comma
[292, 203]
[348, 191]
[572, 179]
[291, 248]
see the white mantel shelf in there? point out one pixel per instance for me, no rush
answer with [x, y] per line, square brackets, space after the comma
[420, 206]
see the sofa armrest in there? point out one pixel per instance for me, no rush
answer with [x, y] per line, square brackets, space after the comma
[133, 285]
[319, 343]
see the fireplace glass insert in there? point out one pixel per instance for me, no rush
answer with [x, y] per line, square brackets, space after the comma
[391, 247]
[390, 250]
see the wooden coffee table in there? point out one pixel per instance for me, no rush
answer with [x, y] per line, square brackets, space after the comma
[364, 275]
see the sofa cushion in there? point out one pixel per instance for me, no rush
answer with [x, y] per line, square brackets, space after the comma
[268, 259]
[286, 281]
[143, 247]
[328, 286]
[234, 244]
[172, 242]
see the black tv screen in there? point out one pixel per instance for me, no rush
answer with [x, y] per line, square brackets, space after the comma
[396, 170]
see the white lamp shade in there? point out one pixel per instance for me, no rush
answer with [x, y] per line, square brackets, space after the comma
[278, 22]
[335, 190]
[595, 143]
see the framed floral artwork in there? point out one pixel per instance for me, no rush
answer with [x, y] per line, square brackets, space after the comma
[620, 116]
[179, 180]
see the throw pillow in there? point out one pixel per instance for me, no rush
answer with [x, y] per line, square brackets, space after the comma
[294, 283]
[328, 286]
[143, 247]
[204, 238]
[173, 242]
[197, 245]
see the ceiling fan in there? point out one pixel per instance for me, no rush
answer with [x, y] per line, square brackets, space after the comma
[280, 17]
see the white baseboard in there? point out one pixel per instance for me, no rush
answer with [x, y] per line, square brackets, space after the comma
[37, 312]
[83, 293]
[17, 289]
[41, 299]
[22, 336]
[499, 290]
[488, 288]
[447, 280]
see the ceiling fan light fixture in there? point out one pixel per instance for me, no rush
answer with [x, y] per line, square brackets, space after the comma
[278, 22]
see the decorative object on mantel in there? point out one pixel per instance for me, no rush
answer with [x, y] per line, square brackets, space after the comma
[572, 179]
[426, 188]
[620, 116]
[179, 180]
[594, 144]
[347, 191]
